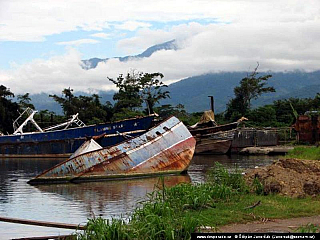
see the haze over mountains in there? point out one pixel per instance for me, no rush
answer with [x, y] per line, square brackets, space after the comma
[170, 45]
[193, 92]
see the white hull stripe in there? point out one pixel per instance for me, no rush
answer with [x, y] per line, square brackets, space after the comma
[164, 150]
[155, 139]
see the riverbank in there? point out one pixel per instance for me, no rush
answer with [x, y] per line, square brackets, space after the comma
[305, 152]
[166, 220]
[273, 225]
[75, 203]
[226, 198]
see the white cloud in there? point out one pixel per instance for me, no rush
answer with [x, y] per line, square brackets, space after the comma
[53, 75]
[132, 25]
[101, 35]
[279, 34]
[203, 49]
[78, 42]
[147, 37]
[22, 20]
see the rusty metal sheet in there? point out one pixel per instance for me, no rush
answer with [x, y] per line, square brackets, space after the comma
[168, 144]
[308, 128]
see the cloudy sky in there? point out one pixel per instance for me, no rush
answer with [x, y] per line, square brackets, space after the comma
[43, 41]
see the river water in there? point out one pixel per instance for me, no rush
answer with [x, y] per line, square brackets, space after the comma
[75, 203]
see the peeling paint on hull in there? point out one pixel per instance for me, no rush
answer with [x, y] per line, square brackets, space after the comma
[165, 149]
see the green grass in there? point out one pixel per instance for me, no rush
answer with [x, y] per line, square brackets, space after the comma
[308, 153]
[176, 212]
[309, 228]
[271, 207]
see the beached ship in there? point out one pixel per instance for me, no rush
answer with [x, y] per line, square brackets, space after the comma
[207, 125]
[214, 143]
[165, 149]
[64, 139]
[213, 138]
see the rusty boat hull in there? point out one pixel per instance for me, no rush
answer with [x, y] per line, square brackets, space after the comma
[216, 143]
[208, 146]
[214, 129]
[165, 149]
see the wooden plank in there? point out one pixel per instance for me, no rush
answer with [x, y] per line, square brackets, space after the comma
[42, 223]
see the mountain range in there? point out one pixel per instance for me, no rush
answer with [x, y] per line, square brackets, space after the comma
[170, 45]
[297, 84]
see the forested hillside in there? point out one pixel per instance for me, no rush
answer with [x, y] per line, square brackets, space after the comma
[193, 92]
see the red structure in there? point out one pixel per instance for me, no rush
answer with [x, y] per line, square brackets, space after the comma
[308, 128]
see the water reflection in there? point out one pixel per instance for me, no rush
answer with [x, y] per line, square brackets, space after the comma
[111, 198]
[15, 172]
[74, 203]
[202, 163]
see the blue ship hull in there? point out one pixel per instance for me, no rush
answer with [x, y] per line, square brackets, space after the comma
[62, 143]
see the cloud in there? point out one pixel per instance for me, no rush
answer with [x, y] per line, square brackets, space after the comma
[132, 25]
[53, 75]
[280, 35]
[78, 42]
[22, 21]
[147, 37]
[101, 35]
[203, 49]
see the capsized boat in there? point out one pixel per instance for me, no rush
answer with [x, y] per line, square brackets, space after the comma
[64, 139]
[165, 149]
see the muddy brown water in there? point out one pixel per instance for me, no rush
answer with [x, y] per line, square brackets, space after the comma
[75, 203]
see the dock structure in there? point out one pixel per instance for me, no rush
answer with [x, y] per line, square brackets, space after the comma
[252, 137]
[270, 150]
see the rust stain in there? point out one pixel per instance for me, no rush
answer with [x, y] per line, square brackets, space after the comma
[149, 138]
[169, 149]
[308, 128]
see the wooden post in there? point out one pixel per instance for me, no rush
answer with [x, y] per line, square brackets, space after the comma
[42, 223]
[211, 103]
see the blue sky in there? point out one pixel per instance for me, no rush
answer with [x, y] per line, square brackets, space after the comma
[100, 44]
[42, 42]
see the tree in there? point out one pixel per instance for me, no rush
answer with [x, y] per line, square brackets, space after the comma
[8, 110]
[128, 96]
[134, 90]
[151, 90]
[24, 101]
[90, 110]
[66, 101]
[251, 87]
[264, 116]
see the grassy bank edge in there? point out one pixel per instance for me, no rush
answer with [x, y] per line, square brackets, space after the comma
[176, 212]
[305, 153]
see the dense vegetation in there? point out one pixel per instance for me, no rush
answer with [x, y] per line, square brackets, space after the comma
[8, 110]
[141, 93]
[138, 93]
[176, 212]
[251, 87]
[221, 85]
